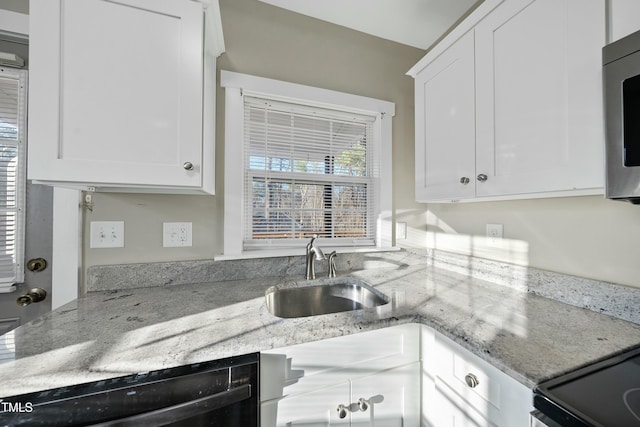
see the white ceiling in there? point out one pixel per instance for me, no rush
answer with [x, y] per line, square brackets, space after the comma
[417, 23]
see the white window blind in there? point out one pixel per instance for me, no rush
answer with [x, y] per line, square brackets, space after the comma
[307, 171]
[12, 176]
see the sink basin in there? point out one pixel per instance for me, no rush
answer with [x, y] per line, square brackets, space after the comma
[333, 296]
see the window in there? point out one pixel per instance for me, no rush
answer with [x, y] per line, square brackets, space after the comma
[311, 165]
[12, 176]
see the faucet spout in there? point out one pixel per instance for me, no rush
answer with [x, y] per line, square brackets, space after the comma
[313, 253]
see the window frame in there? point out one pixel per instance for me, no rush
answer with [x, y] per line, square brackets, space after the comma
[237, 85]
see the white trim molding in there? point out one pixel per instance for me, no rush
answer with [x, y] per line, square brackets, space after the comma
[236, 86]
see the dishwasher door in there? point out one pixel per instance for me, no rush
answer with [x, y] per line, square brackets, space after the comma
[222, 393]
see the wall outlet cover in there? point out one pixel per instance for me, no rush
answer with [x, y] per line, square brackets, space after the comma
[106, 234]
[177, 234]
[495, 233]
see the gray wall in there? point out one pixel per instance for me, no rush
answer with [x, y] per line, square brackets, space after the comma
[271, 42]
[20, 6]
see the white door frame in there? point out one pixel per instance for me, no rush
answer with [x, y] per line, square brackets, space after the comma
[66, 259]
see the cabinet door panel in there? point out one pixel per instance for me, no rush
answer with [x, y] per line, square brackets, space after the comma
[393, 395]
[315, 409]
[305, 367]
[128, 92]
[453, 412]
[445, 124]
[538, 79]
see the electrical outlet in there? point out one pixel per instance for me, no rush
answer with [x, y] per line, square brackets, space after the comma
[106, 234]
[494, 234]
[176, 234]
[401, 230]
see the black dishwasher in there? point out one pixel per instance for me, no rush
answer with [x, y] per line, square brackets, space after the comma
[221, 393]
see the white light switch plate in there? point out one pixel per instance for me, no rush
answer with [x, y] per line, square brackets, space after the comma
[176, 234]
[106, 234]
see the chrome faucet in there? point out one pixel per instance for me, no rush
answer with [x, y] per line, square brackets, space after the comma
[313, 253]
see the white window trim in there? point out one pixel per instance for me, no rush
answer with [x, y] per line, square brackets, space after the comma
[19, 75]
[236, 85]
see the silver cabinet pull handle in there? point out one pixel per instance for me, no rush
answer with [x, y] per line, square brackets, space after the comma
[471, 380]
[464, 180]
[482, 177]
[188, 166]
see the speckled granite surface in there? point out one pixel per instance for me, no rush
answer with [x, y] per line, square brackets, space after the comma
[602, 297]
[113, 333]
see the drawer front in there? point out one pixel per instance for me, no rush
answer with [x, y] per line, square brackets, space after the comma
[305, 367]
[466, 376]
[469, 382]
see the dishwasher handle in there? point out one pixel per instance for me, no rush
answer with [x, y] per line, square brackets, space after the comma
[184, 410]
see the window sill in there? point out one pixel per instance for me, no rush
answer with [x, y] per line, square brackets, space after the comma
[273, 253]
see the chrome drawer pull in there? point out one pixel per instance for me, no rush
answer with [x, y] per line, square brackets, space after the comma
[471, 380]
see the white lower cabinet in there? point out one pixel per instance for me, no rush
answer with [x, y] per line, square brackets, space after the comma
[375, 376]
[385, 399]
[402, 376]
[314, 409]
[391, 398]
[460, 389]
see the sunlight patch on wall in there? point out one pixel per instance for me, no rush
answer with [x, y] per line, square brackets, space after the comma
[482, 258]
[442, 236]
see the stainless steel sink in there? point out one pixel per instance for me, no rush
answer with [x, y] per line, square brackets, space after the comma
[330, 296]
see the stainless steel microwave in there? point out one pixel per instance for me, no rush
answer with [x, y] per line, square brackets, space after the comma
[621, 69]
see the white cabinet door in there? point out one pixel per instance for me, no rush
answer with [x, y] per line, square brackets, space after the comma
[494, 399]
[116, 92]
[315, 409]
[445, 125]
[305, 367]
[623, 18]
[451, 411]
[304, 384]
[539, 97]
[392, 398]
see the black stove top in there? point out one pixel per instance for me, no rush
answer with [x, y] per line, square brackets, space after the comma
[604, 394]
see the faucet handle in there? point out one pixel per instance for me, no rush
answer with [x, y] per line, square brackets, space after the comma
[331, 265]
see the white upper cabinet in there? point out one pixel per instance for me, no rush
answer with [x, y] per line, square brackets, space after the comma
[444, 97]
[539, 97]
[536, 126]
[121, 95]
[623, 18]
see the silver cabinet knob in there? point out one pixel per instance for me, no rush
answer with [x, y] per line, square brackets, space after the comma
[363, 404]
[188, 166]
[482, 177]
[342, 411]
[464, 180]
[471, 380]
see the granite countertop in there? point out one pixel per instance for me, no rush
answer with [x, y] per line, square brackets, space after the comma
[113, 333]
